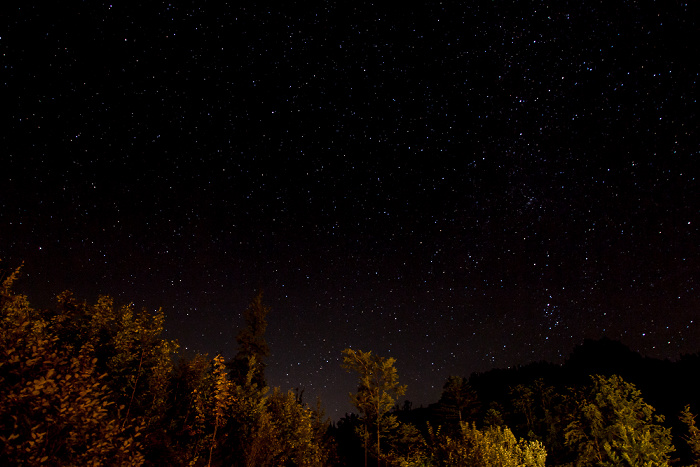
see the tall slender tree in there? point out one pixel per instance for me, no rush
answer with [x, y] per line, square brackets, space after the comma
[252, 346]
[377, 392]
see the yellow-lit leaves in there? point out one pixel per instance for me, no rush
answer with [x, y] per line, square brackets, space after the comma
[51, 392]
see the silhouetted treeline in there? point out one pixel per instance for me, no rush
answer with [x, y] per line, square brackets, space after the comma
[536, 400]
[96, 384]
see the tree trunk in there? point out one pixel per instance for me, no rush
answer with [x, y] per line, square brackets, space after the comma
[378, 452]
[213, 440]
[366, 437]
[133, 393]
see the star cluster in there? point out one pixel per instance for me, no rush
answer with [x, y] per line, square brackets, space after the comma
[461, 185]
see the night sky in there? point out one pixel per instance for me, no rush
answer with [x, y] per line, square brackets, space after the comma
[462, 186]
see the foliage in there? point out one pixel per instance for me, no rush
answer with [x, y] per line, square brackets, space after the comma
[493, 417]
[299, 431]
[252, 346]
[692, 439]
[221, 400]
[54, 405]
[191, 391]
[273, 429]
[94, 384]
[495, 446]
[458, 401]
[543, 414]
[614, 426]
[251, 425]
[130, 349]
[407, 447]
[377, 392]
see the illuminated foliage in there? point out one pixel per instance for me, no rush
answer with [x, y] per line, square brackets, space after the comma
[96, 385]
[297, 436]
[54, 405]
[262, 428]
[221, 400]
[250, 426]
[377, 392]
[614, 426]
[692, 438]
[495, 446]
[130, 348]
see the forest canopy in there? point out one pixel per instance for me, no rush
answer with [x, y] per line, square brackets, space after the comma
[98, 384]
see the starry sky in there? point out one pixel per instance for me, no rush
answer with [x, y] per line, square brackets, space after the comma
[460, 185]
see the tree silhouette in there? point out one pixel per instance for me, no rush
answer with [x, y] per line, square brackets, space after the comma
[252, 346]
[458, 400]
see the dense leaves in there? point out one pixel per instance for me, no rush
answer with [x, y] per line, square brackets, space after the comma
[54, 403]
[692, 438]
[614, 426]
[97, 384]
[377, 393]
[252, 346]
[493, 446]
[459, 401]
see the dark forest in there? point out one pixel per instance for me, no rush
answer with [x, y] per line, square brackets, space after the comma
[97, 384]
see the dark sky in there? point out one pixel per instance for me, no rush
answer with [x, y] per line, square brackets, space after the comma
[462, 186]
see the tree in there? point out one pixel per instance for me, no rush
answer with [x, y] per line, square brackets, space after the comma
[377, 392]
[542, 415]
[191, 403]
[250, 430]
[495, 446]
[407, 447]
[128, 344]
[55, 406]
[692, 439]
[299, 432]
[458, 400]
[499, 447]
[130, 349]
[252, 346]
[222, 400]
[614, 426]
